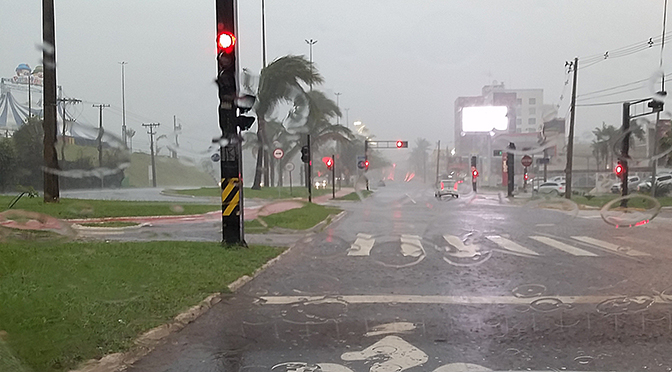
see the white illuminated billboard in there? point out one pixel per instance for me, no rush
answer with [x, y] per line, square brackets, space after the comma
[484, 118]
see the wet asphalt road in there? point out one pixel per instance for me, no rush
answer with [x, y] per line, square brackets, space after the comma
[406, 282]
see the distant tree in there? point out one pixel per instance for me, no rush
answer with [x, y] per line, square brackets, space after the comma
[418, 157]
[280, 81]
[8, 164]
[28, 142]
[605, 140]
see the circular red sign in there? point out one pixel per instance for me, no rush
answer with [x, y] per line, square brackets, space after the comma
[526, 160]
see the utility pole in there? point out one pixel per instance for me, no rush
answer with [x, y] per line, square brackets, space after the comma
[333, 176]
[338, 106]
[510, 169]
[570, 141]
[309, 170]
[263, 32]
[65, 102]
[123, 103]
[625, 153]
[176, 127]
[151, 133]
[51, 186]
[311, 42]
[438, 160]
[100, 134]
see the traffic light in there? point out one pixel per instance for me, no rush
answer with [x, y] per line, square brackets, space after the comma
[525, 176]
[402, 144]
[329, 162]
[657, 105]
[497, 153]
[619, 169]
[366, 164]
[305, 154]
[474, 172]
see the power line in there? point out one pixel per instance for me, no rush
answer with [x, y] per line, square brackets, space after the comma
[617, 93]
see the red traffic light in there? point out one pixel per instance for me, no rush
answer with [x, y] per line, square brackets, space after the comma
[526, 177]
[474, 173]
[618, 169]
[366, 164]
[329, 162]
[399, 144]
[226, 42]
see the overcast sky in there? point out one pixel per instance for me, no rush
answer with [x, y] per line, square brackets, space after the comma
[399, 64]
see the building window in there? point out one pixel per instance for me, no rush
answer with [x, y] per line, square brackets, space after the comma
[519, 101]
[532, 121]
[533, 101]
[533, 110]
[519, 122]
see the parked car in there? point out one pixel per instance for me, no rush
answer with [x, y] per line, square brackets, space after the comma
[447, 187]
[552, 188]
[633, 182]
[661, 179]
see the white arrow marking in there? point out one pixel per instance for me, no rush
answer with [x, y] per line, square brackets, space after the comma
[411, 246]
[563, 247]
[510, 245]
[463, 251]
[609, 246]
[462, 367]
[362, 246]
[397, 355]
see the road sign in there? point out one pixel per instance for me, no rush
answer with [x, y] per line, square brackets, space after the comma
[278, 153]
[215, 157]
[543, 160]
[361, 162]
[289, 167]
[526, 160]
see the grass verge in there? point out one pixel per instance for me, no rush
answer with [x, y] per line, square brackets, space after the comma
[82, 208]
[66, 302]
[264, 193]
[301, 218]
[355, 196]
[110, 224]
[601, 200]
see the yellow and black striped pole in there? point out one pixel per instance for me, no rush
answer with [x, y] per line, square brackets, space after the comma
[230, 197]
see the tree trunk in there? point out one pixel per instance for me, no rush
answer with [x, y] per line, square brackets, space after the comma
[258, 172]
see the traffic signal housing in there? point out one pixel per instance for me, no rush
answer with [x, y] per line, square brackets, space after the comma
[366, 164]
[474, 173]
[305, 154]
[619, 169]
[656, 105]
[329, 162]
[402, 144]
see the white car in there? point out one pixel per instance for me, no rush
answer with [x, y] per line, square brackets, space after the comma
[552, 188]
[633, 183]
[661, 179]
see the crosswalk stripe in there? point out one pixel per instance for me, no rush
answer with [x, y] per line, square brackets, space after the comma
[510, 245]
[362, 245]
[411, 246]
[610, 246]
[562, 246]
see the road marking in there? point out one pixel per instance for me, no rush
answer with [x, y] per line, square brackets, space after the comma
[411, 198]
[510, 245]
[383, 329]
[411, 246]
[426, 299]
[362, 245]
[392, 353]
[463, 250]
[562, 246]
[545, 225]
[609, 246]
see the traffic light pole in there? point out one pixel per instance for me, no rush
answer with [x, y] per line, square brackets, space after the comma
[511, 174]
[625, 151]
[333, 177]
[309, 171]
[366, 159]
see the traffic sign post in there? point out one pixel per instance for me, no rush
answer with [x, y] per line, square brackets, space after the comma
[278, 153]
[290, 167]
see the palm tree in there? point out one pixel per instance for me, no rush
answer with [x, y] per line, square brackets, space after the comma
[280, 81]
[606, 137]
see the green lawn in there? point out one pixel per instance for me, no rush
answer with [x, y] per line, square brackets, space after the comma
[301, 218]
[264, 193]
[110, 224]
[355, 196]
[81, 208]
[63, 303]
[601, 200]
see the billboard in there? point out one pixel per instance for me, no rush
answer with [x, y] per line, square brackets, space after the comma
[484, 118]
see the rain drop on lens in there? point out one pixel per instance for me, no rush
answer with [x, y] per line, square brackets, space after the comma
[630, 211]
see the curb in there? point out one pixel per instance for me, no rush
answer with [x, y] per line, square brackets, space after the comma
[149, 340]
[77, 226]
[133, 218]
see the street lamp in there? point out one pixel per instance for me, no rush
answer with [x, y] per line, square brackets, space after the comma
[338, 117]
[311, 42]
[123, 104]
